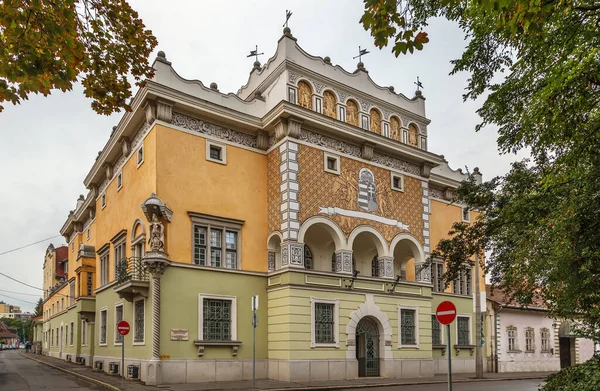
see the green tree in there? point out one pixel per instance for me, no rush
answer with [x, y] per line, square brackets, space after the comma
[39, 308]
[47, 45]
[540, 222]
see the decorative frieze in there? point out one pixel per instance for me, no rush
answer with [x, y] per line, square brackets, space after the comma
[435, 192]
[330, 143]
[214, 130]
[396, 164]
[271, 260]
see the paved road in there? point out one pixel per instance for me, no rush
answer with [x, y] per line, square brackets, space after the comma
[512, 385]
[21, 374]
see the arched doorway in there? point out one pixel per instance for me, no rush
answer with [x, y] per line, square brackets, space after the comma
[367, 347]
[566, 345]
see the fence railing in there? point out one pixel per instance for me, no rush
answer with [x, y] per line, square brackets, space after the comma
[131, 269]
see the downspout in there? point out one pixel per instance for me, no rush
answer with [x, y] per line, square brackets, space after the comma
[496, 338]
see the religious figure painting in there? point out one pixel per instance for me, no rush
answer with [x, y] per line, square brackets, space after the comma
[329, 104]
[352, 113]
[395, 132]
[412, 135]
[304, 95]
[375, 121]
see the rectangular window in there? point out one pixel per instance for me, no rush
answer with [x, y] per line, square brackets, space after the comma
[331, 163]
[66, 264]
[324, 323]
[216, 320]
[51, 337]
[216, 241]
[84, 332]
[64, 341]
[118, 318]
[408, 325]
[120, 261]
[512, 339]
[342, 114]
[231, 250]
[468, 281]
[436, 331]
[103, 320]
[138, 321]
[119, 181]
[318, 105]
[140, 156]
[103, 201]
[463, 285]
[72, 293]
[62, 304]
[545, 336]
[529, 340]
[292, 95]
[216, 152]
[71, 336]
[87, 234]
[386, 129]
[365, 122]
[199, 245]
[405, 136]
[424, 143]
[215, 248]
[466, 217]
[90, 283]
[463, 329]
[397, 182]
[104, 265]
[437, 276]
[57, 335]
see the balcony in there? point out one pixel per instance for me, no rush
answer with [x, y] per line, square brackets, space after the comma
[132, 279]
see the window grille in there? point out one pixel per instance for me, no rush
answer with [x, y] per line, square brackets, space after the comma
[103, 327]
[71, 336]
[436, 331]
[118, 318]
[375, 267]
[407, 327]
[84, 332]
[464, 330]
[324, 323]
[90, 283]
[308, 258]
[529, 340]
[138, 321]
[545, 336]
[512, 339]
[217, 320]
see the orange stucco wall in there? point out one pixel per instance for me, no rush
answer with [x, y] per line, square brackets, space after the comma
[187, 182]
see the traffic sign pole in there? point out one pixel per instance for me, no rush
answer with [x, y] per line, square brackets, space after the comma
[123, 329]
[445, 314]
[449, 357]
[254, 322]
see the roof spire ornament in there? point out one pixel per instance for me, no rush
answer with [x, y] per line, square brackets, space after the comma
[255, 53]
[288, 15]
[361, 52]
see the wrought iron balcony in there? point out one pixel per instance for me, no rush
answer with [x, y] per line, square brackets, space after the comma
[132, 278]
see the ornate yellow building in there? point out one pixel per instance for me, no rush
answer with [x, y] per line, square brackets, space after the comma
[312, 187]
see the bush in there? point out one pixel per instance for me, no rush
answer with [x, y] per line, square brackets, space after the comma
[581, 377]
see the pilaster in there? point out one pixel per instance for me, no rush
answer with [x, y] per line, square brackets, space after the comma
[386, 267]
[271, 260]
[423, 273]
[343, 262]
[292, 254]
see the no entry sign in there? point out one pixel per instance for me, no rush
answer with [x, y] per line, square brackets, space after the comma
[445, 312]
[123, 327]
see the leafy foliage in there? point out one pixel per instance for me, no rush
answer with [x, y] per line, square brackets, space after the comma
[23, 327]
[47, 45]
[581, 377]
[540, 222]
[39, 308]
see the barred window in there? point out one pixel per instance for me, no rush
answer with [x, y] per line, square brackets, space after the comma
[84, 332]
[103, 327]
[213, 241]
[463, 325]
[216, 320]
[57, 335]
[90, 284]
[71, 336]
[118, 318]
[545, 336]
[529, 340]
[138, 321]
[512, 339]
[408, 327]
[437, 274]
[308, 258]
[375, 267]
[436, 331]
[66, 335]
[324, 323]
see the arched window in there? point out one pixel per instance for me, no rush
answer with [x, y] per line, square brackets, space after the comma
[396, 129]
[329, 104]
[413, 134]
[308, 258]
[305, 95]
[352, 113]
[375, 125]
[375, 267]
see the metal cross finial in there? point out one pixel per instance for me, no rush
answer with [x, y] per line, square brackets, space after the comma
[255, 53]
[418, 84]
[288, 15]
[361, 52]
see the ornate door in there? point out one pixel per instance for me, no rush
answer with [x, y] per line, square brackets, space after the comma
[367, 348]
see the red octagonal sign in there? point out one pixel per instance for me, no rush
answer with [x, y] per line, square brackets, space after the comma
[445, 312]
[123, 327]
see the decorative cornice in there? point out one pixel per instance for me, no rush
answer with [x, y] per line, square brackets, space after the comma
[211, 129]
[396, 164]
[331, 143]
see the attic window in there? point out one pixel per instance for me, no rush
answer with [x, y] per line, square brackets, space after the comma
[216, 152]
[332, 163]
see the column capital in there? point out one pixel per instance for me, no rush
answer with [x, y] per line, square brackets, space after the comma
[156, 262]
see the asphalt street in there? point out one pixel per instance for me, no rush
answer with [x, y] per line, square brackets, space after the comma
[21, 374]
[512, 385]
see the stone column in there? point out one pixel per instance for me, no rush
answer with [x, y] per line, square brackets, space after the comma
[271, 260]
[386, 267]
[292, 254]
[343, 261]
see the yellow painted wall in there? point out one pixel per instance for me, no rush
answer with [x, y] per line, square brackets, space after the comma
[186, 181]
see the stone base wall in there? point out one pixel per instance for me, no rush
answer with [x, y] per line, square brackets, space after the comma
[459, 365]
[548, 365]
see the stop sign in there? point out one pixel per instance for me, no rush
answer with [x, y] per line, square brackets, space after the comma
[123, 327]
[445, 312]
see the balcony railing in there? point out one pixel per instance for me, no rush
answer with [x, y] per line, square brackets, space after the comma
[131, 269]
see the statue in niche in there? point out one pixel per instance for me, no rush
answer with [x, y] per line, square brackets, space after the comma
[412, 135]
[375, 121]
[157, 235]
[352, 113]
[304, 95]
[329, 104]
[395, 131]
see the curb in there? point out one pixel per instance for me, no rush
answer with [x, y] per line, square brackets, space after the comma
[86, 378]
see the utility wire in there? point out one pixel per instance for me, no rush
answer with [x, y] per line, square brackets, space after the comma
[20, 293]
[20, 282]
[28, 245]
[14, 298]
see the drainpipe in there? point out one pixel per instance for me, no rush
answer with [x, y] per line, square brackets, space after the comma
[496, 338]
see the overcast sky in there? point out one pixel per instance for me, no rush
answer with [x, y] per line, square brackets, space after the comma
[49, 144]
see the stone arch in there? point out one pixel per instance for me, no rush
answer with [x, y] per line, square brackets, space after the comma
[336, 232]
[408, 256]
[138, 224]
[274, 250]
[330, 104]
[380, 243]
[370, 309]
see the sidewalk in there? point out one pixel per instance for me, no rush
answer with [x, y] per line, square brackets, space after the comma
[114, 382]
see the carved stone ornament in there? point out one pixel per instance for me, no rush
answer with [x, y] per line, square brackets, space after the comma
[155, 206]
[157, 235]
[367, 151]
[396, 164]
[293, 77]
[287, 127]
[318, 87]
[331, 143]
[221, 132]
[342, 95]
[436, 192]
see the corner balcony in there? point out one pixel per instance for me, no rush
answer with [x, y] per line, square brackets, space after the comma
[132, 279]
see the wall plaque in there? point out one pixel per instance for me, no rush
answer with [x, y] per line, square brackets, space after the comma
[179, 335]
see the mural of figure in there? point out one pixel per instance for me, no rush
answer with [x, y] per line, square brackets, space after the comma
[329, 104]
[352, 113]
[367, 191]
[396, 131]
[375, 121]
[304, 95]
[412, 135]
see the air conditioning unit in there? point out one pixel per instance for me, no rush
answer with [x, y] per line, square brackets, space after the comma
[98, 365]
[113, 368]
[133, 371]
